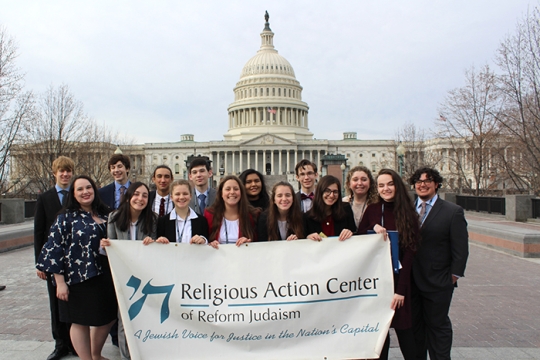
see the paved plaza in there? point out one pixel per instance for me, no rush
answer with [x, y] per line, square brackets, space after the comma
[495, 311]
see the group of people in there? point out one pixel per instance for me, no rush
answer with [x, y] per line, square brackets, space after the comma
[75, 221]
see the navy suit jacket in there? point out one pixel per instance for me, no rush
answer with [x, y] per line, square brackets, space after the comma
[443, 249]
[106, 194]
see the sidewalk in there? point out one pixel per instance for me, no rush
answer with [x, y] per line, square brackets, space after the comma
[495, 311]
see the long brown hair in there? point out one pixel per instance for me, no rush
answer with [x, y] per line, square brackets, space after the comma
[318, 210]
[372, 195]
[244, 209]
[122, 216]
[404, 212]
[294, 215]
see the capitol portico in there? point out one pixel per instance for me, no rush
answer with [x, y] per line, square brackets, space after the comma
[268, 128]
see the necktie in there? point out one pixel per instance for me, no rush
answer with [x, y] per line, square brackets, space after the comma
[422, 211]
[64, 196]
[122, 191]
[202, 202]
[304, 196]
[162, 208]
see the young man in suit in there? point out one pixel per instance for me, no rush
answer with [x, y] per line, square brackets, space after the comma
[47, 207]
[203, 195]
[160, 199]
[306, 174]
[119, 166]
[439, 262]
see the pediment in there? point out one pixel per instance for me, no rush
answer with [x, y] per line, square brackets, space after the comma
[267, 139]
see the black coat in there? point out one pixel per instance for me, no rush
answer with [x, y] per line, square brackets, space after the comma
[167, 227]
[47, 207]
[443, 249]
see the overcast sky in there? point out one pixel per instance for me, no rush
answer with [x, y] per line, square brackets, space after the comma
[156, 69]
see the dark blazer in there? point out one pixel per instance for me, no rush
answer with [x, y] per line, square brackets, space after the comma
[194, 202]
[152, 198]
[106, 194]
[47, 208]
[299, 200]
[443, 249]
[167, 228]
[313, 226]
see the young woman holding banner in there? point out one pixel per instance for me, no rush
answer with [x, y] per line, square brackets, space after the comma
[328, 215]
[134, 220]
[183, 224]
[361, 191]
[395, 211]
[283, 219]
[231, 220]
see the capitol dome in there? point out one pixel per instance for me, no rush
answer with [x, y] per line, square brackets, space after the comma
[268, 98]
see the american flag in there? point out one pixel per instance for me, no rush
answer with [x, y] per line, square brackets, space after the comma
[271, 111]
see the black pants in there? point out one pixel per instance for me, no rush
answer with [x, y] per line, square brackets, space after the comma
[60, 330]
[431, 323]
[406, 345]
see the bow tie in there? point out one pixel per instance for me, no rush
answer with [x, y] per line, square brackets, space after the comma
[304, 196]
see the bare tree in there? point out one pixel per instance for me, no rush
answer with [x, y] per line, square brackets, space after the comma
[468, 121]
[417, 154]
[61, 127]
[15, 105]
[519, 59]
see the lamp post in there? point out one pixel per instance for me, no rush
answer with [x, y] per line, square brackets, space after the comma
[400, 152]
[343, 168]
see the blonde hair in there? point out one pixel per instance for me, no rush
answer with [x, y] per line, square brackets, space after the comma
[63, 163]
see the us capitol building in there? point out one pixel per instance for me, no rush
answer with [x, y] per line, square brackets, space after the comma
[268, 130]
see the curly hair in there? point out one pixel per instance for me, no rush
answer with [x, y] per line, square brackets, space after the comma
[372, 196]
[431, 174]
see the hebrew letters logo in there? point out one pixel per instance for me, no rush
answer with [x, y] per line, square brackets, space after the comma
[148, 289]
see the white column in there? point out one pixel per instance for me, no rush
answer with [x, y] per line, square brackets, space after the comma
[248, 159]
[240, 166]
[233, 171]
[256, 159]
[272, 172]
[306, 120]
[278, 115]
[280, 155]
[226, 162]
[288, 161]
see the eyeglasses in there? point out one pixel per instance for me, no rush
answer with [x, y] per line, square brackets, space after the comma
[425, 182]
[309, 173]
[328, 191]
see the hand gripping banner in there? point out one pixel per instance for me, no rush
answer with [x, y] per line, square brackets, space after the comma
[275, 300]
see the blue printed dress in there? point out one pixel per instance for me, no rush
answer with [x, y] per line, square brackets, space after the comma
[72, 249]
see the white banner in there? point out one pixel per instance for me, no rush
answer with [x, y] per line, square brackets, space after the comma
[273, 300]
